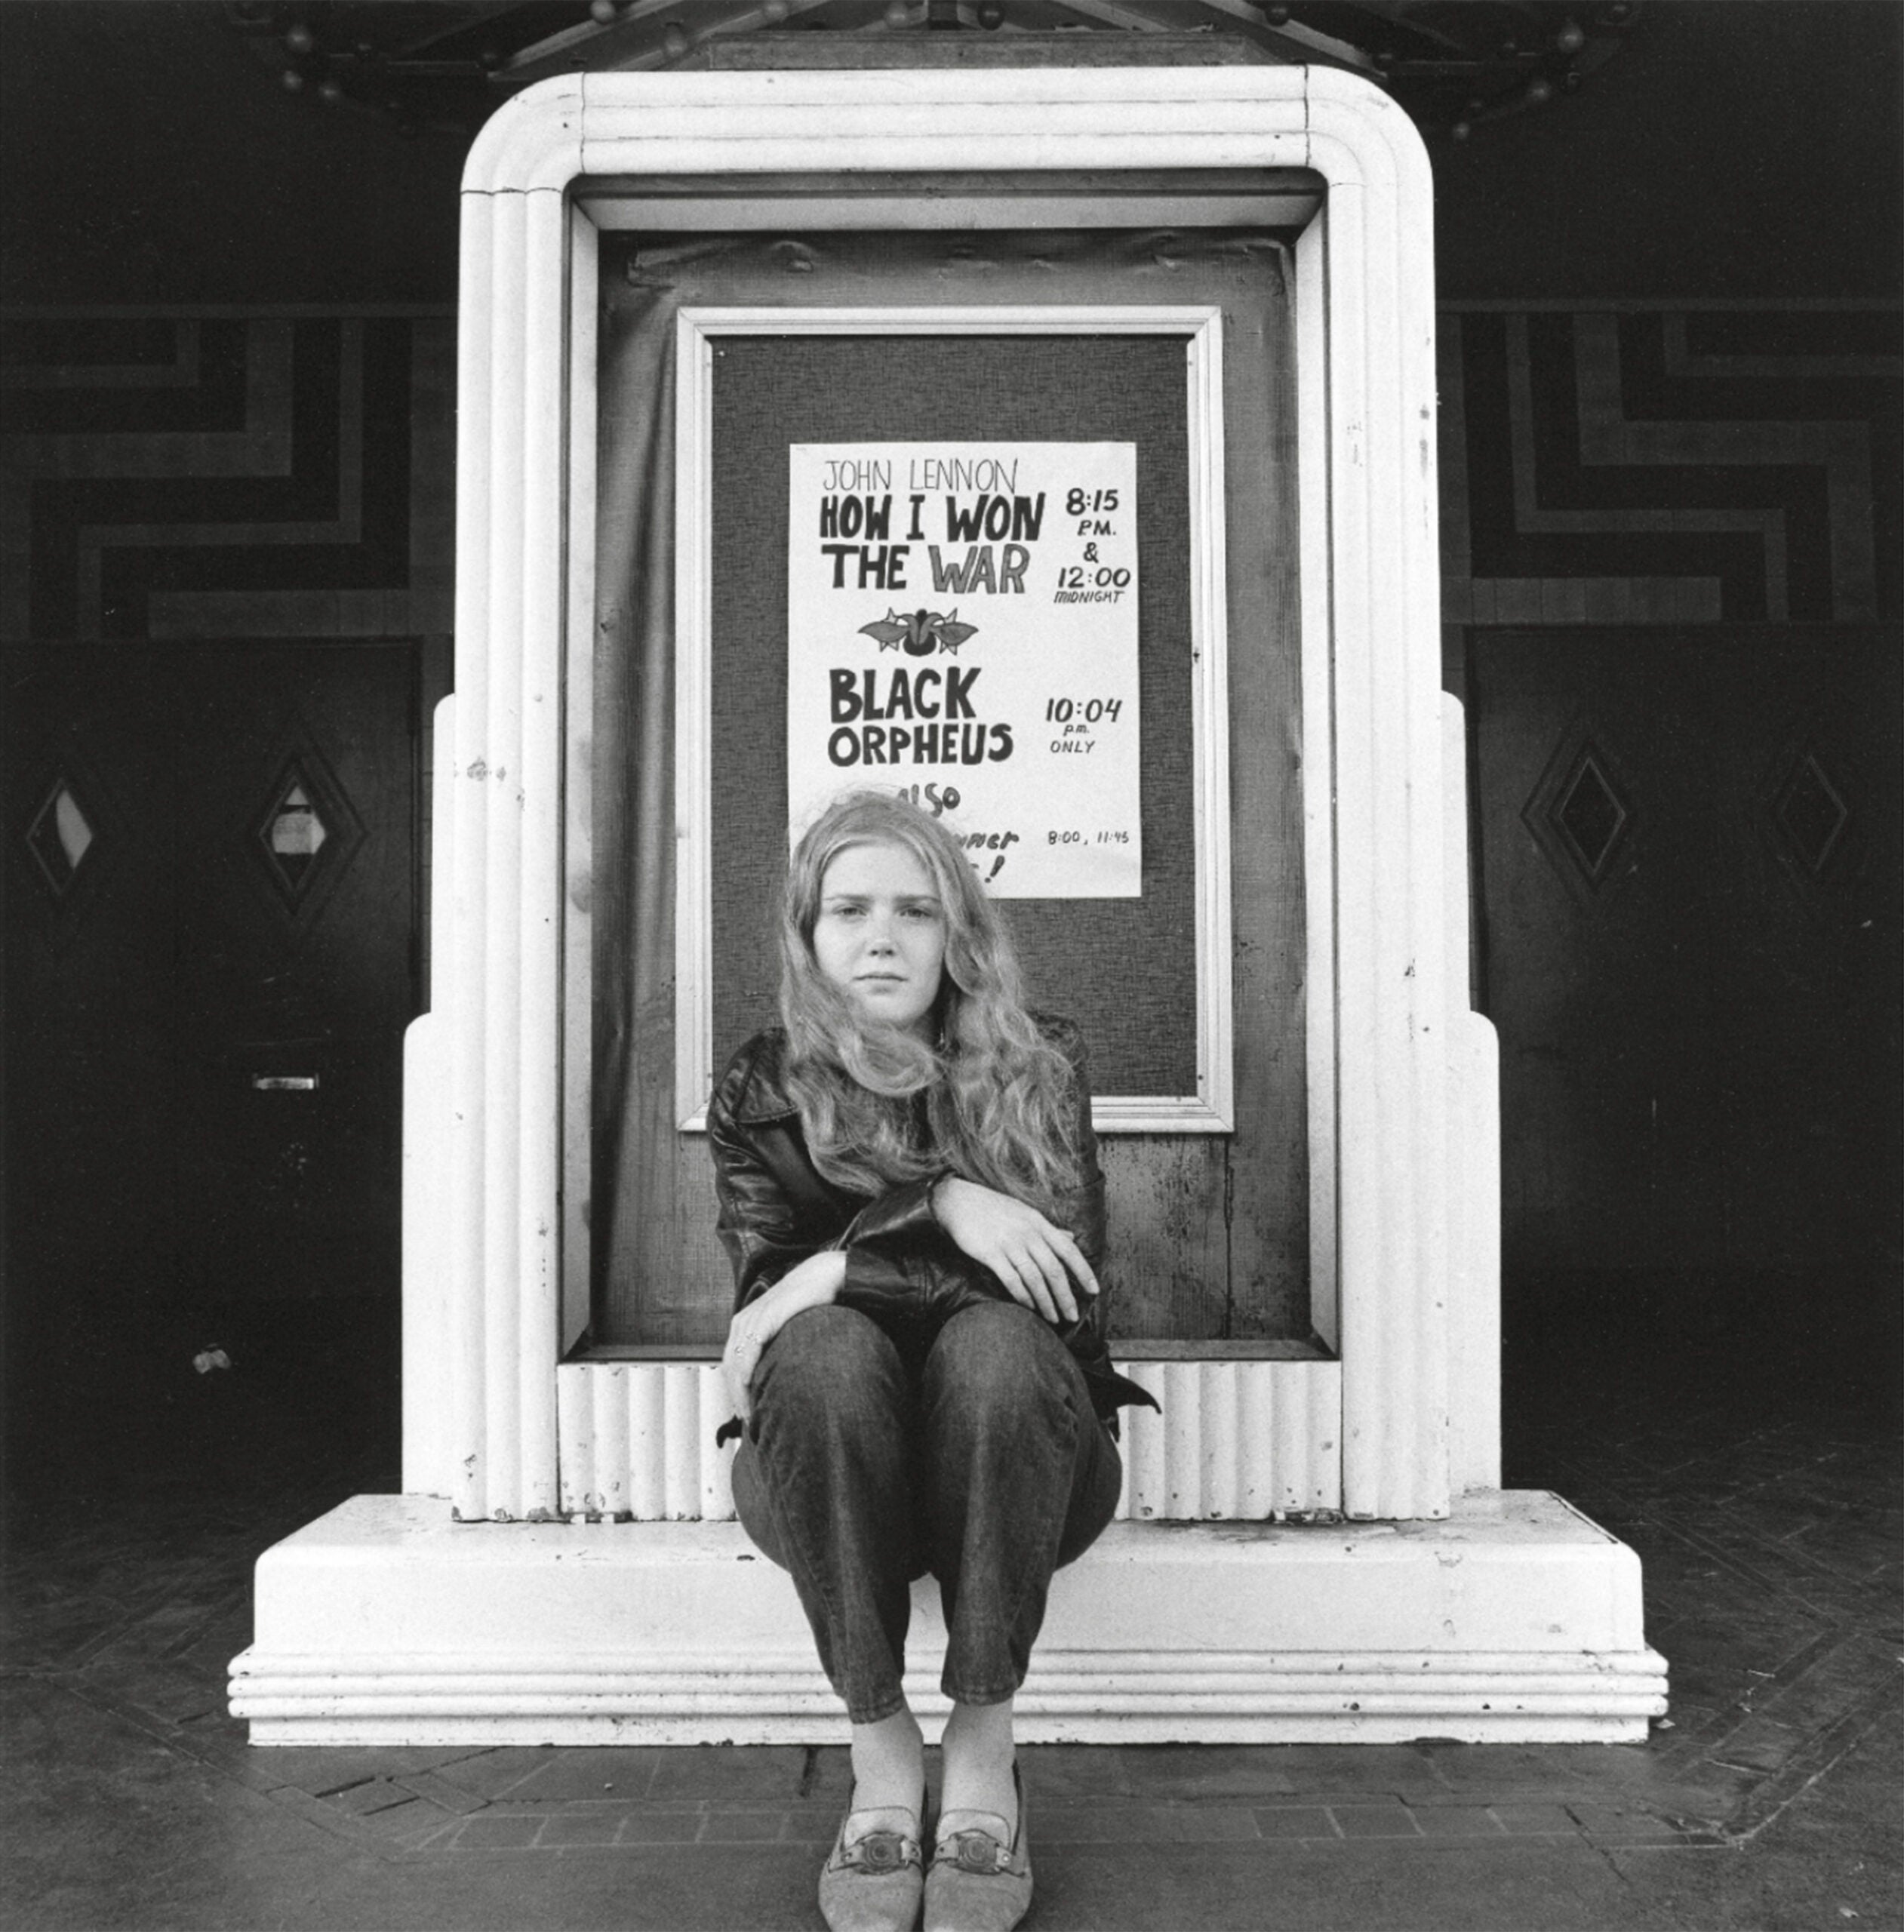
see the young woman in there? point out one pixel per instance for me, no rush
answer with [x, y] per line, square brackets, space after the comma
[909, 1195]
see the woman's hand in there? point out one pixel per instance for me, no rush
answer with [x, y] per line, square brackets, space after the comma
[1037, 1262]
[811, 1283]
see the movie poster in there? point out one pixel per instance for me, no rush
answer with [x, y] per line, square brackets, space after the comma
[962, 626]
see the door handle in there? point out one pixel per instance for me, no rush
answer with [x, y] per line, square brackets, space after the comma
[284, 1083]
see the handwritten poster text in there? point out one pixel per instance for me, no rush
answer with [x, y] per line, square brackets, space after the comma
[962, 626]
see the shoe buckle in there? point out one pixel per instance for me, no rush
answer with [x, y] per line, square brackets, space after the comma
[879, 1851]
[978, 1853]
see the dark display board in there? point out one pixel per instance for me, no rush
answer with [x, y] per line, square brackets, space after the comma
[1126, 967]
[1210, 1232]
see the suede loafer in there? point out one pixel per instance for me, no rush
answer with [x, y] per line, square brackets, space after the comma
[976, 1882]
[874, 1882]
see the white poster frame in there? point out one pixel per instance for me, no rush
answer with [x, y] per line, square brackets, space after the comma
[1210, 1108]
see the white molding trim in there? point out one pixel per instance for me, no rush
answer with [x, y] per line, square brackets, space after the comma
[1517, 1621]
[577, 1029]
[1317, 603]
[1236, 1440]
[995, 206]
[1474, 1079]
[1340, 1696]
[1212, 1109]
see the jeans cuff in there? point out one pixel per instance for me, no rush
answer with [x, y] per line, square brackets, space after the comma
[998, 1694]
[875, 1713]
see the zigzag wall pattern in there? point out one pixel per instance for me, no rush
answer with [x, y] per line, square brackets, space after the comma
[292, 475]
[262, 476]
[1664, 466]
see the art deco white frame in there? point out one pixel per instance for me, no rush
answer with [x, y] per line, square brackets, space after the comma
[1512, 1617]
[1385, 1019]
[1211, 1109]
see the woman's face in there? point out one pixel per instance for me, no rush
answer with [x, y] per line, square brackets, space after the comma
[880, 934]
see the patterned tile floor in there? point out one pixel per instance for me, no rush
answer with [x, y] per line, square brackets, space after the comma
[1768, 1521]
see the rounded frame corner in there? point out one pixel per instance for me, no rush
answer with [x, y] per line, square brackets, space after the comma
[532, 143]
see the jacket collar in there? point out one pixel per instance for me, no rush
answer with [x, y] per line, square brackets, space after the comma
[763, 1097]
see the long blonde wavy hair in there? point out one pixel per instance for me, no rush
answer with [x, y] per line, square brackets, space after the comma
[998, 1100]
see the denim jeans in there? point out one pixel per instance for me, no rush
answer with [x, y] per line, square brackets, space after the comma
[872, 1457]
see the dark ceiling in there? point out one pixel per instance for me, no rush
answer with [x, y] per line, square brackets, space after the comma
[1736, 147]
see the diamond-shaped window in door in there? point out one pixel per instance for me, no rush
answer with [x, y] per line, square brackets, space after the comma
[1581, 814]
[59, 836]
[307, 831]
[1590, 815]
[1811, 814]
[296, 835]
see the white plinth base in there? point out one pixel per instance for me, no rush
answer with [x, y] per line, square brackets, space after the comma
[1517, 1619]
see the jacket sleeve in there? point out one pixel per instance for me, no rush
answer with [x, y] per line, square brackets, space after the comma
[758, 1225]
[899, 1261]
[898, 1258]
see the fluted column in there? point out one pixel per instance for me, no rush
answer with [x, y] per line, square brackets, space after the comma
[1393, 1117]
[500, 973]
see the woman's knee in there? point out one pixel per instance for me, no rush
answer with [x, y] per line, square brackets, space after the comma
[998, 1354]
[828, 1360]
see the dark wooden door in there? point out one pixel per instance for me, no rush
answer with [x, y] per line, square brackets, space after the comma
[1688, 858]
[211, 954]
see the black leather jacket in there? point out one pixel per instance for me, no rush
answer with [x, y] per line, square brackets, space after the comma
[901, 1266]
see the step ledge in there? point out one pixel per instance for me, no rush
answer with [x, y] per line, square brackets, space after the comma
[1515, 1619]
